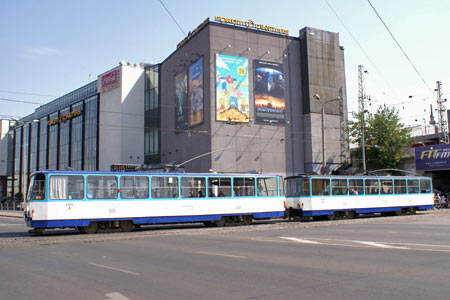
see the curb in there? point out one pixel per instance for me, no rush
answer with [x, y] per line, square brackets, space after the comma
[12, 213]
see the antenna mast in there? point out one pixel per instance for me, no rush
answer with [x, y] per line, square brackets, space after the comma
[442, 123]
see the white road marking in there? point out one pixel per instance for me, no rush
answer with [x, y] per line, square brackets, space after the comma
[115, 269]
[5, 225]
[378, 245]
[220, 254]
[299, 240]
[116, 296]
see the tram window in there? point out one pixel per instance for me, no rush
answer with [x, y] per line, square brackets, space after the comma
[101, 187]
[372, 186]
[413, 186]
[219, 187]
[37, 188]
[192, 187]
[356, 186]
[65, 187]
[339, 186]
[425, 186]
[386, 186]
[243, 186]
[267, 186]
[164, 187]
[134, 187]
[320, 187]
[399, 186]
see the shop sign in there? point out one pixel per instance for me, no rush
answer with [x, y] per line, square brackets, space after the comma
[64, 118]
[433, 157]
[109, 81]
[249, 24]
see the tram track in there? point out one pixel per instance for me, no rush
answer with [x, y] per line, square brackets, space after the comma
[61, 236]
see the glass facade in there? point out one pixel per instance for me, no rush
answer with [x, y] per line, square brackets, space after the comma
[58, 135]
[152, 119]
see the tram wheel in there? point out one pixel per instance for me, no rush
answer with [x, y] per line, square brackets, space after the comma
[350, 214]
[413, 210]
[332, 216]
[90, 229]
[247, 220]
[126, 226]
[220, 223]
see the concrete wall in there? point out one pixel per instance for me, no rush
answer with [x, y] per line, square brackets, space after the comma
[181, 145]
[121, 123]
[323, 74]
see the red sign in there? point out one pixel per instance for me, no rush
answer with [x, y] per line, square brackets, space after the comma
[110, 81]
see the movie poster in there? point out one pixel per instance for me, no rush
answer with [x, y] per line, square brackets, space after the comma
[195, 94]
[181, 106]
[232, 89]
[269, 93]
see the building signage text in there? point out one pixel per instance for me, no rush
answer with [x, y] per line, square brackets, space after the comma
[109, 81]
[249, 24]
[191, 33]
[63, 118]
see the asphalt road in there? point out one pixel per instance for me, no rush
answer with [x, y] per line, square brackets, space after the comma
[403, 257]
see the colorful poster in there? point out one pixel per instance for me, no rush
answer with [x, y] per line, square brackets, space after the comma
[269, 93]
[232, 89]
[195, 95]
[181, 97]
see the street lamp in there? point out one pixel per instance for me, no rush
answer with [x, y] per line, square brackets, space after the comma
[323, 103]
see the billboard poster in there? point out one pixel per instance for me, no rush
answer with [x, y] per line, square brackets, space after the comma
[269, 92]
[181, 99]
[232, 89]
[432, 157]
[195, 94]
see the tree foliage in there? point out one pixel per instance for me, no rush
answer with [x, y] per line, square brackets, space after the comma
[385, 138]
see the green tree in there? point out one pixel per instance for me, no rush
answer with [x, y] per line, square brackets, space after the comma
[385, 138]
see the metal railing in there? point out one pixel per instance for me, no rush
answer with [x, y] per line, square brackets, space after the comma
[12, 205]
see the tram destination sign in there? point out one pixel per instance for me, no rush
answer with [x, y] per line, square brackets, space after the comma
[436, 157]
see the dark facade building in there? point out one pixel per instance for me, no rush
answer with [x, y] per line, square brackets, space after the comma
[257, 106]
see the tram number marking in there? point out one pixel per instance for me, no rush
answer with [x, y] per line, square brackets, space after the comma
[69, 206]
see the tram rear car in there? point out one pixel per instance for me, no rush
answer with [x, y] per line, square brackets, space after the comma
[345, 196]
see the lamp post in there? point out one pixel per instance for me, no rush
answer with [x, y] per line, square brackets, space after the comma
[323, 103]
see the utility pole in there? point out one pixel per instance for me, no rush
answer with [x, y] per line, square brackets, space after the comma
[362, 97]
[442, 123]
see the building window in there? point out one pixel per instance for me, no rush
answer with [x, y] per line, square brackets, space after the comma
[152, 120]
[91, 132]
[53, 143]
[34, 147]
[43, 143]
[76, 147]
[64, 141]
[17, 160]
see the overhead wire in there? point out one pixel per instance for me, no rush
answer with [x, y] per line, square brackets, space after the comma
[400, 47]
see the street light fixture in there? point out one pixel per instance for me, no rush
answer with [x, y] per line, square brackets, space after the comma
[323, 103]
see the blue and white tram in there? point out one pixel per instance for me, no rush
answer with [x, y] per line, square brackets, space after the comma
[91, 201]
[346, 196]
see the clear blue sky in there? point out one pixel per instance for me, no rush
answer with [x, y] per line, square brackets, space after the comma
[50, 47]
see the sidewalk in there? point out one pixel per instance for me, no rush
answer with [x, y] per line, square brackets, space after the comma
[11, 213]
